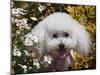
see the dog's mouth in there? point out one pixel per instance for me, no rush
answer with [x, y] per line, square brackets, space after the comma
[63, 53]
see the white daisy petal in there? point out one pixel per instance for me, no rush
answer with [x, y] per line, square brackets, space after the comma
[28, 42]
[34, 18]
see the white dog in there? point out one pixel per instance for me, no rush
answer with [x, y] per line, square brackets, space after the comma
[57, 35]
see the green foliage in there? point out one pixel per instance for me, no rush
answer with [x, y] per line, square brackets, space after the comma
[84, 14]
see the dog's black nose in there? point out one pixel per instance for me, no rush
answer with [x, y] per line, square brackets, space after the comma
[61, 45]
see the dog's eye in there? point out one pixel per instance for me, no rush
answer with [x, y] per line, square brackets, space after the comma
[66, 34]
[54, 36]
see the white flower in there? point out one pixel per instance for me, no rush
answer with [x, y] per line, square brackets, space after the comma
[35, 39]
[48, 58]
[29, 35]
[28, 42]
[18, 11]
[24, 67]
[34, 18]
[26, 53]
[30, 39]
[17, 31]
[36, 63]
[16, 52]
[21, 22]
[30, 67]
[41, 8]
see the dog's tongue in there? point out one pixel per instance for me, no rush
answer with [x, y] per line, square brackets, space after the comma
[62, 53]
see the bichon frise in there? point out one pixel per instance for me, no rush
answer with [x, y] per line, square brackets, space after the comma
[57, 35]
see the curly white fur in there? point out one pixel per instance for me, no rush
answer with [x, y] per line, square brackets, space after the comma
[60, 23]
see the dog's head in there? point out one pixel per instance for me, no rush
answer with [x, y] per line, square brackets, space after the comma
[60, 32]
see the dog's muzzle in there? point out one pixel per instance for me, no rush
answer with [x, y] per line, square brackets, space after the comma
[63, 53]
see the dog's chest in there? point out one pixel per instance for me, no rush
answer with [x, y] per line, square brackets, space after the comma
[58, 65]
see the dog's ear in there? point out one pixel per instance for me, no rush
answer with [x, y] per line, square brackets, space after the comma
[40, 32]
[83, 41]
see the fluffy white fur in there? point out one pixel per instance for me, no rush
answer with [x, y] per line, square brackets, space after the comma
[60, 23]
